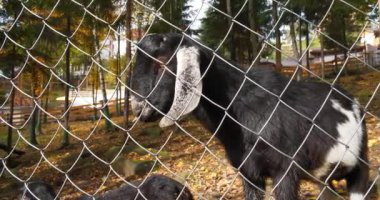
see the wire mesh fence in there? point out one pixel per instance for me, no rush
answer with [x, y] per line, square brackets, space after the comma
[73, 71]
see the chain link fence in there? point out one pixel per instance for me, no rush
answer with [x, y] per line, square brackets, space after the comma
[65, 78]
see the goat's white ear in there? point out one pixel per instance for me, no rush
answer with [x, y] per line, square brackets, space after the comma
[188, 85]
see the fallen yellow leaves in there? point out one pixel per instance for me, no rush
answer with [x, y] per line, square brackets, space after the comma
[372, 142]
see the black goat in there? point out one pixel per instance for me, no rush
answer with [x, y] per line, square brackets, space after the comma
[38, 190]
[155, 187]
[269, 128]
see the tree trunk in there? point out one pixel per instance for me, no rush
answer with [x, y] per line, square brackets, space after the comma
[106, 111]
[322, 40]
[250, 56]
[336, 60]
[345, 43]
[232, 33]
[299, 69]
[277, 34]
[102, 82]
[294, 40]
[39, 118]
[307, 50]
[95, 94]
[65, 141]
[11, 111]
[252, 18]
[46, 104]
[39, 112]
[128, 61]
[117, 102]
[170, 17]
[33, 119]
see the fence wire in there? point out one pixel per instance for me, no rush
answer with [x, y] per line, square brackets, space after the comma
[46, 73]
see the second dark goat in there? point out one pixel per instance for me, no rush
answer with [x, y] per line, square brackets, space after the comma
[38, 190]
[157, 187]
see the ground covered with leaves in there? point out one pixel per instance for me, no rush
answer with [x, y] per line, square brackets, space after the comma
[114, 157]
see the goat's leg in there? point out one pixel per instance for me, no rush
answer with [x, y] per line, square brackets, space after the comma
[254, 181]
[286, 186]
[255, 189]
[357, 182]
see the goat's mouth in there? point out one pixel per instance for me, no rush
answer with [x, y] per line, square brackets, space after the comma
[143, 111]
[148, 114]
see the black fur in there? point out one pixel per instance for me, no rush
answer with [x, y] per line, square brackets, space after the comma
[155, 187]
[252, 107]
[40, 189]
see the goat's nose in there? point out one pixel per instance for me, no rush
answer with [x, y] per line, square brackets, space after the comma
[137, 109]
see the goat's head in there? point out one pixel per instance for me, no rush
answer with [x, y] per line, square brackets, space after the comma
[166, 79]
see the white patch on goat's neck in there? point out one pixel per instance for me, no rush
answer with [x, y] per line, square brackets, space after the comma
[356, 196]
[350, 133]
[188, 86]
